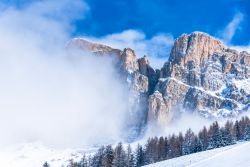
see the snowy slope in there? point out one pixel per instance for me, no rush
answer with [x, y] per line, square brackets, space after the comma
[231, 156]
[35, 154]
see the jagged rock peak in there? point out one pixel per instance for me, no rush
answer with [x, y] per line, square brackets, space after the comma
[196, 47]
[129, 60]
[143, 65]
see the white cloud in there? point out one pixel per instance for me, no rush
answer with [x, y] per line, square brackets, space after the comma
[230, 30]
[242, 48]
[46, 94]
[228, 33]
[157, 48]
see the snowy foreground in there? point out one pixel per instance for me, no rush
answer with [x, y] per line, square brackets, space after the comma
[231, 156]
[35, 154]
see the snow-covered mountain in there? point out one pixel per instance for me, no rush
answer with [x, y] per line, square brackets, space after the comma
[230, 156]
[202, 76]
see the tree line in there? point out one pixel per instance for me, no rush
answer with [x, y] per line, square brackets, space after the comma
[162, 148]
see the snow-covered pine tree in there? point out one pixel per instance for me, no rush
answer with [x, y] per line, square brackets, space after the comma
[188, 145]
[243, 123]
[179, 143]
[161, 149]
[139, 156]
[166, 148]
[97, 159]
[203, 136]
[151, 151]
[119, 156]
[197, 144]
[228, 133]
[72, 163]
[130, 161]
[83, 162]
[172, 146]
[108, 156]
[46, 164]
[215, 136]
[237, 130]
[247, 132]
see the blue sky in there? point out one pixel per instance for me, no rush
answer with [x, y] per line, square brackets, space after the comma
[166, 16]
[163, 16]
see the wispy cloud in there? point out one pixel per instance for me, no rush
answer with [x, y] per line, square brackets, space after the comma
[228, 33]
[156, 48]
[242, 48]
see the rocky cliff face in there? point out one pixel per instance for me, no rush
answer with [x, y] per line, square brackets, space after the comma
[200, 71]
[202, 76]
[134, 73]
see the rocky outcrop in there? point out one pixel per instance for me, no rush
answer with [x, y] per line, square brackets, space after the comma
[129, 61]
[157, 112]
[152, 74]
[196, 47]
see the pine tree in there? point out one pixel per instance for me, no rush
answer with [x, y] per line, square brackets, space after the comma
[148, 156]
[83, 162]
[161, 149]
[130, 161]
[46, 164]
[247, 132]
[72, 163]
[108, 156]
[151, 151]
[215, 138]
[188, 146]
[97, 159]
[139, 156]
[228, 134]
[172, 146]
[203, 136]
[197, 144]
[166, 148]
[89, 161]
[247, 120]
[179, 143]
[119, 156]
[243, 123]
[237, 130]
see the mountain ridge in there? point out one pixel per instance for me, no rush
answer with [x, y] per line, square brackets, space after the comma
[200, 76]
